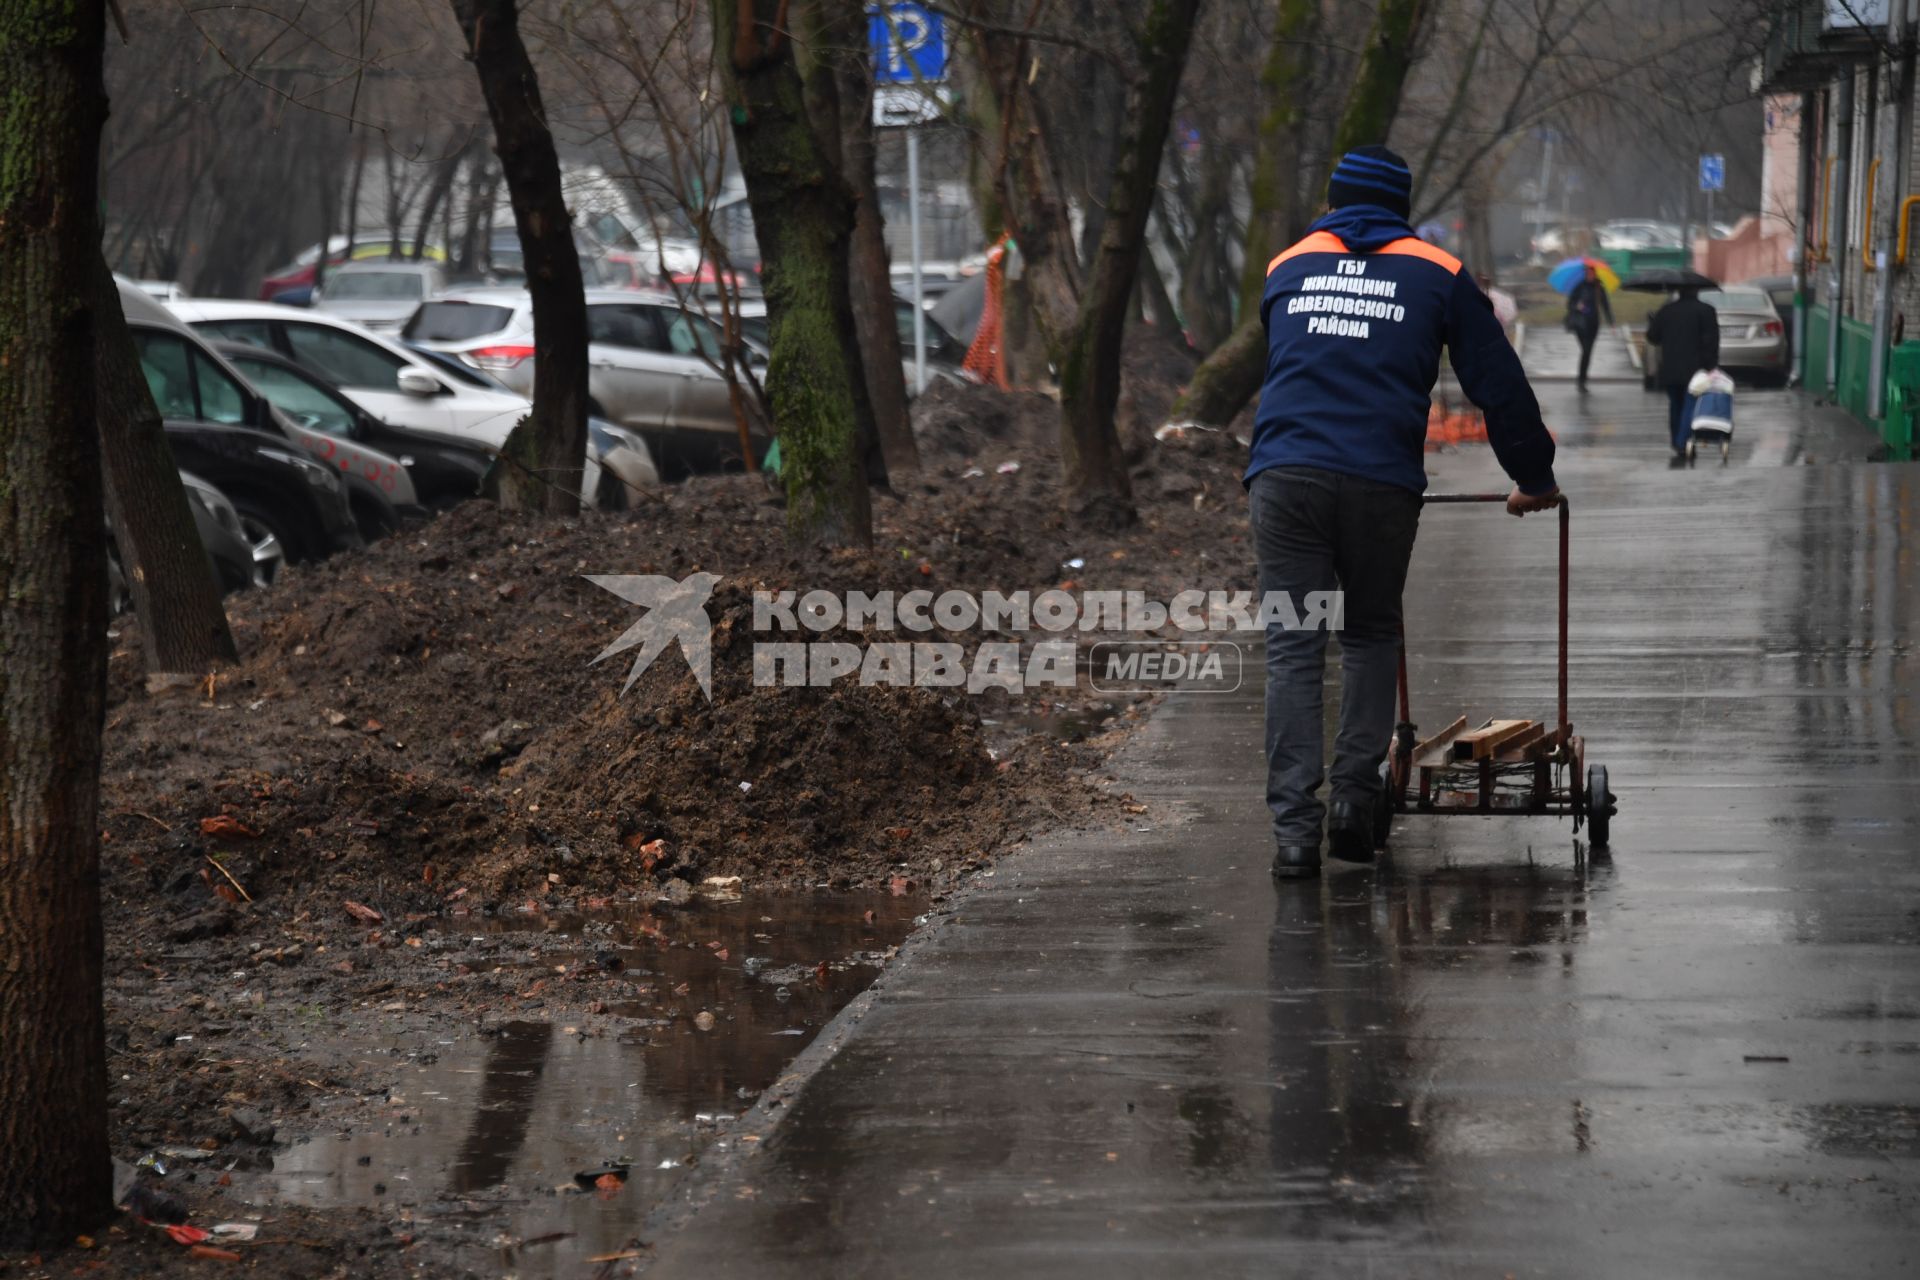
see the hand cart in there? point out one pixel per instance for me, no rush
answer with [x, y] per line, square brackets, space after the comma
[1502, 766]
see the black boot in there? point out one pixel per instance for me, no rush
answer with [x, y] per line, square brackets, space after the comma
[1349, 832]
[1296, 862]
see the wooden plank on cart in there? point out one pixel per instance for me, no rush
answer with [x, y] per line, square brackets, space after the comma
[1481, 743]
[1521, 746]
[1438, 742]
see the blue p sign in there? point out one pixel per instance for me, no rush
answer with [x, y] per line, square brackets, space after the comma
[1713, 173]
[909, 44]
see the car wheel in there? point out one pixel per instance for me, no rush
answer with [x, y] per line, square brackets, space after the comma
[269, 537]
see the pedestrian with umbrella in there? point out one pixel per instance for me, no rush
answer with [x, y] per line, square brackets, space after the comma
[1687, 332]
[1585, 281]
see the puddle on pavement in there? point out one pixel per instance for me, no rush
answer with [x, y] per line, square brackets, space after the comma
[496, 1124]
[1074, 723]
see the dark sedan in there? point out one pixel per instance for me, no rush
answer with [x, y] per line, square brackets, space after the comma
[445, 470]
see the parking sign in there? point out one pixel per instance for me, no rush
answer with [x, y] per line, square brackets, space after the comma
[1713, 173]
[909, 44]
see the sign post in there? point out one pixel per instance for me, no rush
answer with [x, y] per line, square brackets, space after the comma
[1713, 177]
[909, 62]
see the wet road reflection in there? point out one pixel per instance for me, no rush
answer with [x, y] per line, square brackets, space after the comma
[495, 1124]
[1129, 1056]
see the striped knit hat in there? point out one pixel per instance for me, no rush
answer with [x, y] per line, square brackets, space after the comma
[1372, 175]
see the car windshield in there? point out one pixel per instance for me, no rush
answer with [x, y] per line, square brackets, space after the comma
[375, 286]
[306, 402]
[1735, 299]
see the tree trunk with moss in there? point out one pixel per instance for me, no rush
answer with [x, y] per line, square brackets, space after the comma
[1231, 376]
[840, 89]
[183, 624]
[1095, 467]
[803, 215]
[540, 465]
[55, 1178]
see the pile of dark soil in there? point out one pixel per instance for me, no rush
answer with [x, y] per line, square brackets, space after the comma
[419, 731]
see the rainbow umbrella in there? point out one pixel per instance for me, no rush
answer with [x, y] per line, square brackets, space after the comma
[1573, 270]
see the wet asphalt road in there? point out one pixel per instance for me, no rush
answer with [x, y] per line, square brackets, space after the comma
[1133, 1056]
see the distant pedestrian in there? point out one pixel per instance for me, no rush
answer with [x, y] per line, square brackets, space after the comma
[1687, 331]
[1356, 316]
[1585, 306]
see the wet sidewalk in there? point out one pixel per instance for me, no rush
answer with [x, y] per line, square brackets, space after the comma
[1552, 353]
[1129, 1054]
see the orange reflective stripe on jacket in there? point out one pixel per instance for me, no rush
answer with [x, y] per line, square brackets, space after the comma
[1409, 246]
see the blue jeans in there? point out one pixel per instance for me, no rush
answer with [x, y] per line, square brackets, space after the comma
[1316, 530]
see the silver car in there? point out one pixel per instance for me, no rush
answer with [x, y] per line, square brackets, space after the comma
[380, 293]
[1753, 338]
[653, 367]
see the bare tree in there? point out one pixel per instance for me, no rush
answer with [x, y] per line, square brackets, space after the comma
[540, 464]
[1230, 377]
[55, 1178]
[183, 625]
[841, 88]
[1096, 471]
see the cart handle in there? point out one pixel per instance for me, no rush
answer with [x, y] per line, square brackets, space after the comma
[1406, 710]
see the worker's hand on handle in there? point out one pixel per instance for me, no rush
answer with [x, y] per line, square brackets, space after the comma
[1520, 504]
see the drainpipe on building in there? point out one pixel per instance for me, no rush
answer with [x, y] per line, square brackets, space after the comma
[1838, 219]
[1900, 87]
[1803, 244]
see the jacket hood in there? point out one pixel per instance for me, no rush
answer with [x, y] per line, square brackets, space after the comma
[1364, 228]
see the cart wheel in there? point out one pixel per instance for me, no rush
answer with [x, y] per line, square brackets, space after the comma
[1726, 447]
[1691, 449]
[1600, 806]
[1383, 807]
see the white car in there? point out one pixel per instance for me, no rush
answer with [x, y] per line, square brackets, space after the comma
[396, 384]
[653, 366]
[380, 294]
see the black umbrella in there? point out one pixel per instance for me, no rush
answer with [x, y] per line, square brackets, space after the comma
[1666, 279]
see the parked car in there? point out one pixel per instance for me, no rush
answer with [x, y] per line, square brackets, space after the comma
[379, 295]
[619, 463]
[946, 354]
[299, 273]
[397, 383]
[231, 559]
[1779, 290]
[444, 470]
[380, 374]
[1754, 340]
[1640, 233]
[654, 368]
[223, 431]
[1753, 337]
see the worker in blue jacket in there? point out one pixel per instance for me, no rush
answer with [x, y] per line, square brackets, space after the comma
[1356, 315]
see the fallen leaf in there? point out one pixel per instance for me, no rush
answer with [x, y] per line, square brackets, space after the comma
[899, 833]
[820, 973]
[901, 886]
[183, 1234]
[608, 1185]
[869, 916]
[216, 1255]
[365, 913]
[225, 825]
[721, 954]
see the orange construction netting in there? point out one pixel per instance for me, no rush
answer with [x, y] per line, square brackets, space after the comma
[1447, 427]
[987, 358]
